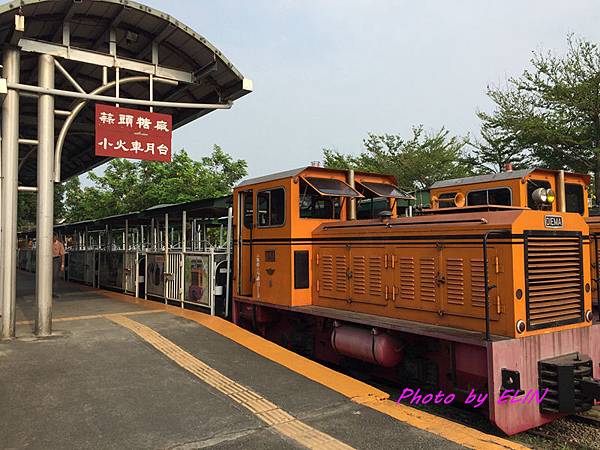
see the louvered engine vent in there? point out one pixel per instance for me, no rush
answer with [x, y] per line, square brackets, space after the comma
[554, 277]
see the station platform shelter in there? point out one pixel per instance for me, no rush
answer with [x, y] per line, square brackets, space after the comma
[62, 58]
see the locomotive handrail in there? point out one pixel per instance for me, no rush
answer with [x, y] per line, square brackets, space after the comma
[487, 288]
[397, 224]
[597, 270]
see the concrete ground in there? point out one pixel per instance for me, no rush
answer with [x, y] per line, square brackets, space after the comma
[97, 384]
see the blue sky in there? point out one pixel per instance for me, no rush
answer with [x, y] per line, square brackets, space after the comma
[328, 72]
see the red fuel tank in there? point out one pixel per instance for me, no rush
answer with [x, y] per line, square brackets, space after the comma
[370, 345]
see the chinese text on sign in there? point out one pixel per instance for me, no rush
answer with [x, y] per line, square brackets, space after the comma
[132, 133]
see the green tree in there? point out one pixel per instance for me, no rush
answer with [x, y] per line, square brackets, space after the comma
[127, 186]
[495, 149]
[552, 110]
[27, 208]
[416, 162]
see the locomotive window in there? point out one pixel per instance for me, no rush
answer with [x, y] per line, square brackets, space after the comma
[477, 198]
[499, 196]
[383, 190]
[248, 209]
[333, 187]
[447, 200]
[574, 198]
[271, 207]
[313, 205]
[369, 208]
[532, 185]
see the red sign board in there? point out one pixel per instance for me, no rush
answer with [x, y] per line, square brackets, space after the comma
[132, 133]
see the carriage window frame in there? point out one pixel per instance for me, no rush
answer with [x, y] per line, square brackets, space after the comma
[270, 210]
[487, 196]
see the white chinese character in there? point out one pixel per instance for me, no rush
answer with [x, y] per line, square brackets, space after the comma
[105, 144]
[120, 145]
[143, 122]
[136, 146]
[163, 149]
[107, 118]
[126, 119]
[161, 125]
[149, 148]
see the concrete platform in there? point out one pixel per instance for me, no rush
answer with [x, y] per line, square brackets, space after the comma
[121, 375]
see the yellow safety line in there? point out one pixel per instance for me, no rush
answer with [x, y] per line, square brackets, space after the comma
[268, 412]
[356, 390]
[91, 316]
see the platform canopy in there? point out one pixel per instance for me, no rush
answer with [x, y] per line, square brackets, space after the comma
[90, 39]
[60, 58]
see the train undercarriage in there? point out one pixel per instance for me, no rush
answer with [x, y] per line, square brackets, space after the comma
[528, 381]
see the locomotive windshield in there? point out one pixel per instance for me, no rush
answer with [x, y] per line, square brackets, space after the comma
[574, 198]
[331, 186]
[322, 198]
[377, 198]
[314, 205]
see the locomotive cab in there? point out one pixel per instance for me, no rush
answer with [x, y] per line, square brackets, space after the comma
[528, 188]
[540, 189]
[279, 214]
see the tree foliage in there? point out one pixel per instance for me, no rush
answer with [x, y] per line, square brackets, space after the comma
[127, 185]
[551, 112]
[416, 162]
[27, 208]
[495, 149]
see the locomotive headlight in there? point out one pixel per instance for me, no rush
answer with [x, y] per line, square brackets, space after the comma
[543, 195]
[539, 195]
[520, 326]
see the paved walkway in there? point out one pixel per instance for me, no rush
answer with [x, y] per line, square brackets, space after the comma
[120, 375]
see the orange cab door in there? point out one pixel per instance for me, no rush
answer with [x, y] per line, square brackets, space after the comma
[246, 202]
[463, 287]
[417, 278]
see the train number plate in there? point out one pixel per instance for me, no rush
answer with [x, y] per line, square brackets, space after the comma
[553, 221]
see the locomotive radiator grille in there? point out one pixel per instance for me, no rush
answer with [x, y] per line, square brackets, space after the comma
[554, 279]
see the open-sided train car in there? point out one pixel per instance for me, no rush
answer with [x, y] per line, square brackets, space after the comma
[477, 298]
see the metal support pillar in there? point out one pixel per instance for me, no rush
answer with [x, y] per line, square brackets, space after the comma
[10, 174]
[166, 266]
[126, 274]
[184, 231]
[229, 242]
[45, 198]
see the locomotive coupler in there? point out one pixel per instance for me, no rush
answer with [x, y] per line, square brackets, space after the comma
[590, 387]
[568, 379]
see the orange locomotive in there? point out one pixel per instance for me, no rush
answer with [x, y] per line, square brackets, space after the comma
[485, 297]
